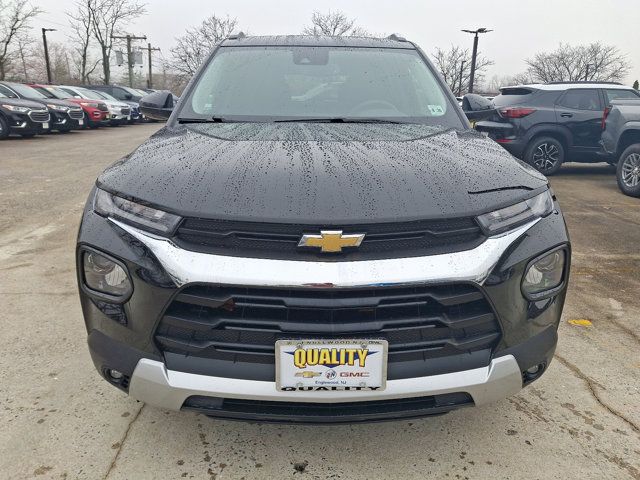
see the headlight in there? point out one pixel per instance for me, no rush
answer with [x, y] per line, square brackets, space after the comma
[89, 104]
[16, 109]
[105, 275]
[57, 108]
[147, 218]
[544, 275]
[513, 216]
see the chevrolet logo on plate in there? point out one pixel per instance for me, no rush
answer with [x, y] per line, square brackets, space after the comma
[331, 241]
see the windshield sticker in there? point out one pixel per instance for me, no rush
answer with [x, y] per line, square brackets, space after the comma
[436, 110]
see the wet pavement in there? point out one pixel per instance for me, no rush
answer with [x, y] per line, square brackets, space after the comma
[59, 420]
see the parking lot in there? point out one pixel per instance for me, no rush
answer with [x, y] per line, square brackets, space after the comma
[61, 420]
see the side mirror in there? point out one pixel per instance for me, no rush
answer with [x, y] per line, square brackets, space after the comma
[157, 105]
[477, 107]
[128, 96]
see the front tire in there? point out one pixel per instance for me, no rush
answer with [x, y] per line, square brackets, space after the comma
[4, 128]
[545, 154]
[628, 171]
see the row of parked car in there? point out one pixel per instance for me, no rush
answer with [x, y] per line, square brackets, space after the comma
[33, 109]
[549, 124]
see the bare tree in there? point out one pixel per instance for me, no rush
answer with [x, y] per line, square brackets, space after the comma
[497, 82]
[195, 45]
[108, 17]
[594, 62]
[81, 22]
[455, 67]
[15, 16]
[334, 24]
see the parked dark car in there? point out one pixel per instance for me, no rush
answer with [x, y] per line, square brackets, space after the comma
[124, 94]
[316, 237]
[22, 117]
[549, 124]
[65, 115]
[95, 112]
[621, 140]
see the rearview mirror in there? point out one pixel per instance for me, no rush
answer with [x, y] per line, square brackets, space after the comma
[476, 107]
[157, 105]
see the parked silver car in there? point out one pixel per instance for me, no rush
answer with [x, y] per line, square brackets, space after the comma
[119, 112]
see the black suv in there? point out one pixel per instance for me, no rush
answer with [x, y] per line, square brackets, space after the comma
[548, 124]
[318, 236]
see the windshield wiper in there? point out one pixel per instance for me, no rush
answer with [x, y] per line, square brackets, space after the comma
[337, 120]
[205, 120]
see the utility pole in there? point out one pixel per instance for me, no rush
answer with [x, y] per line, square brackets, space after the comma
[129, 38]
[474, 54]
[461, 73]
[149, 50]
[46, 51]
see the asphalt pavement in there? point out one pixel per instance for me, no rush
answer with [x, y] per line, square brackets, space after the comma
[60, 420]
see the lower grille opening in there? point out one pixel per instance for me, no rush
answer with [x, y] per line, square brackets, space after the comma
[241, 325]
[347, 412]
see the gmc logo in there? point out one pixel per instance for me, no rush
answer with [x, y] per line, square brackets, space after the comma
[354, 374]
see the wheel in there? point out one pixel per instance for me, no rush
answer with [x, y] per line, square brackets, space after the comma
[545, 154]
[628, 172]
[4, 128]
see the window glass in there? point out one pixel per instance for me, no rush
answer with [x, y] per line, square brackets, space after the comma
[581, 99]
[7, 92]
[613, 94]
[271, 83]
[28, 92]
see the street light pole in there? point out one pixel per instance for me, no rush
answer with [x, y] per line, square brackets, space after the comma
[46, 51]
[474, 54]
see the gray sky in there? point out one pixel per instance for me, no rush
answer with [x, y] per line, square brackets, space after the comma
[521, 27]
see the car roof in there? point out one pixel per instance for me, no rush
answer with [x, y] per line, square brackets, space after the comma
[567, 86]
[241, 40]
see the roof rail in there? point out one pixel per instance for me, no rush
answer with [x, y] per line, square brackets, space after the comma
[236, 36]
[396, 37]
[583, 81]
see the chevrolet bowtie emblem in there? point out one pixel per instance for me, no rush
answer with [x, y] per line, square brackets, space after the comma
[331, 241]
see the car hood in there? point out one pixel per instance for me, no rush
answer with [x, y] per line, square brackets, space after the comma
[321, 172]
[62, 103]
[19, 102]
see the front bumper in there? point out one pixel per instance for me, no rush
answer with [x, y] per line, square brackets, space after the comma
[152, 383]
[159, 269]
[22, 124]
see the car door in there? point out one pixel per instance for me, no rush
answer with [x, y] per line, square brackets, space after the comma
[580, 111]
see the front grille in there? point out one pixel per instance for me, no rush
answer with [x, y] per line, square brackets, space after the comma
[382, 240]
[125, 111]
[103, 107]
[240, 324]
[303, 412]
[76, 114]
[40, 116]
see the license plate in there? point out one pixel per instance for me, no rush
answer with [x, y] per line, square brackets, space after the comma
[80, 122]
[45, 125]
[321, 365]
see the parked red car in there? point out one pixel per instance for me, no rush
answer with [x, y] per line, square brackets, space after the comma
[95, 111]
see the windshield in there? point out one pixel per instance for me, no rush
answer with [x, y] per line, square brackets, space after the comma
[105, 96]
[88, 93]
[28, 92]
[54, 92]
[297, 83]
